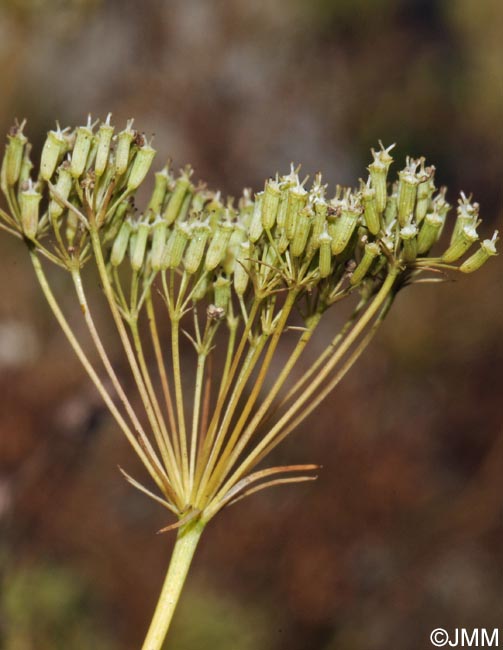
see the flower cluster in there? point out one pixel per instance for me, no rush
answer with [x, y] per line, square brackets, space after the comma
[250, 262]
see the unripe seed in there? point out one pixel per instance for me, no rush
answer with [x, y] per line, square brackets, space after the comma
[425, 191]
[81, 148]
[242, 265]
[372, 250]
[195, 250]
[370, 209]
[466, 238]
[14, 154]
[407, 191]
[256, 227]
[104, 140]
[408, 235]
[218, 245]
[175, 246]
[54, 147]
[141, 165]
[378, 170]
[29, 205]
[343, 228]
[270, 204]
[325, 253]
[487, 249]
[430, 232]
[124, 140]
[121, 242]
[72, 223]
[159, 232]
[297, 199]
[222, 290]
[176, 200]
[140, 245]
[299, 242]
[63, 188]
[160, 188]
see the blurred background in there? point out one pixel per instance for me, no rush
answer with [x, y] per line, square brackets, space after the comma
[402, 533]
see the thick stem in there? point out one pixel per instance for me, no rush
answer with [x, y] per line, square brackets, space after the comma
[183, 552]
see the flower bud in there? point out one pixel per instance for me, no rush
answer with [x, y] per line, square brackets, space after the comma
[81, 148]
[429, 232]
[304, 221]
[465, 239]
[140, 245]
[200, 231]
[218, 245]
[141, 164]
[159, 232]
[175, 246]
[160, 189]
[270, 203]
[29, 206]
[124, 140]
[222, 290]
[242, 265]
[14, 153]
[104, 140]
[297, 199]
[378, 170]
[408, 235]
[63, 189]
[176, 200]
[487, 249]
[54, 147]
[372, 250]
[121, 242]
[256, 227]
[325, 253]
[371, 216]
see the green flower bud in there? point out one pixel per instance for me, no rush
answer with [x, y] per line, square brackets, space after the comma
[256, 227]
[104, 140]
[176, 200]
[408, 235]
[162, 179]
[141, 164]
[159, 232]
[407, 191]
[140, 245]
[121, 242]
[52, 151]
[429, 232]
[297, 200]
[378, 170]
[466, 238]
[222, 290]
[14, 153]
[81, 148]
[372, 250]
[325, 263]
[299, 242]
[124, 140]
[29, 205]
[242, 265]
[270, 203]
[195, 250]
[175, 247]
[487, 249]
[63, 189]
[218, 245]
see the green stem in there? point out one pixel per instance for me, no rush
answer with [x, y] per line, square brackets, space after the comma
[183, 552]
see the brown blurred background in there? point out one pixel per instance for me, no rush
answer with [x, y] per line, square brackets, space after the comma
[403, 530]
